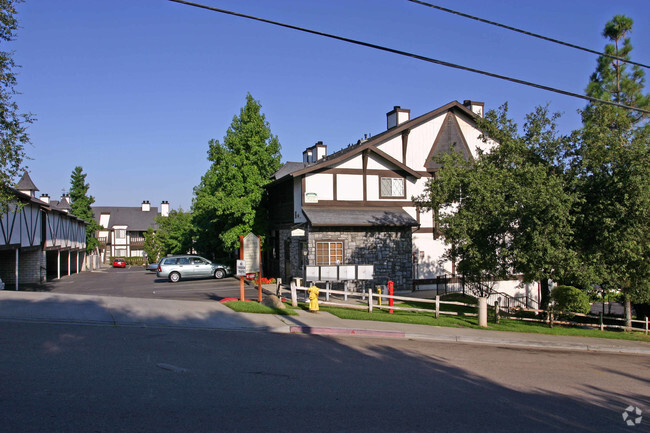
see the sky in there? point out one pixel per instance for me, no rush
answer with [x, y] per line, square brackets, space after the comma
[133, 90]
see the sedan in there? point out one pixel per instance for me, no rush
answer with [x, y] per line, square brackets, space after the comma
[119, 263]
[180, 267]
[153, 267]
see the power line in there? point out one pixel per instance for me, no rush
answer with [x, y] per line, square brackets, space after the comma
[414, 56]
[535, 35]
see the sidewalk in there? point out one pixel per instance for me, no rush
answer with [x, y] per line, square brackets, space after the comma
[157, 313]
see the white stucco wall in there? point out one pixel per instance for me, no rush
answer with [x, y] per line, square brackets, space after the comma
[322, 184]
[349, 187]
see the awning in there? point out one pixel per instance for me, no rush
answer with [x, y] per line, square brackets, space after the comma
[364, 217]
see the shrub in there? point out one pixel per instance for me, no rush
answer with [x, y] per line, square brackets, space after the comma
[568, 298]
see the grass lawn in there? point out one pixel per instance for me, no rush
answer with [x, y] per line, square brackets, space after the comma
[256, 307]
[460, 321]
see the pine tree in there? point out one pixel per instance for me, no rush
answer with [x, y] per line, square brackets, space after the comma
[80, 203]
[229, 201]
[13, 125]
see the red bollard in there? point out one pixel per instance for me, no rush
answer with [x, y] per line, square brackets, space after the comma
[391, 291]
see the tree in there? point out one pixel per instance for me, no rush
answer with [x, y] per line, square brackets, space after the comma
[152, 247]
[174, 234]
[612, 81]
[610, 173]
[229, 201]
[80, 203]
[13, 125]
[506, 212]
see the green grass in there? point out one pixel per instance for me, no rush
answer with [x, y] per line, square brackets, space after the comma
[460, 321]
[256, 307]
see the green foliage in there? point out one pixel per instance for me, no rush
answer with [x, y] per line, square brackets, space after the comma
[229, 201]
[174, 234]
[13, 125]
[152, 247]
[570, 299]
[80, 204]
[612, 80]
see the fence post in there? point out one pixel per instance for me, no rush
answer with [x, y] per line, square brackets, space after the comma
[602, 325]
[370, 300]
[294, 297]
[482, 312]
[278, 287]
[496, 311]
[646, 325]
[327, 290]
[437, 306]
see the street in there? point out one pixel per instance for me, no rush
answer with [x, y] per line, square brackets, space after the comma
[135, 282]
[76, 378]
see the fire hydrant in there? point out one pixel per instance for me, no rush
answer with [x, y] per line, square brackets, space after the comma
[313, 299]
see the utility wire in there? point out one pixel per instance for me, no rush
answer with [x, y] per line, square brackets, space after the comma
[535, 35]
[414, 56]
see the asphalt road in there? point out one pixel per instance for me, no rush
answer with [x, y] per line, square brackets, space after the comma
[66, 378]
[135, 282]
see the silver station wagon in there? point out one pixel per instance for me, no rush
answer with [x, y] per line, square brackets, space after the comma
[186, 266]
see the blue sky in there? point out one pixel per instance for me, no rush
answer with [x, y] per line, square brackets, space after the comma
[133, 90]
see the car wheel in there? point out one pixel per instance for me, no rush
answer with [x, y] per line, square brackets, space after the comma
[174, 277]
[219, 274]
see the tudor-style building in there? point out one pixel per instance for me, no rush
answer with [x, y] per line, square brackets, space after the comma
[354, 206]
[39, 239]
[123, 228]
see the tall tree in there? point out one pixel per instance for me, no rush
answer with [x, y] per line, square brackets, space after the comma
[13, 125]
[152, 247]
[610, 173]
[613, 80]
[80, 203]
[174, 234]
[229, 201]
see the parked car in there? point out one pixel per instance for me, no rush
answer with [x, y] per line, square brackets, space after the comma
[119, 263]
[187, 266]
[153, 267]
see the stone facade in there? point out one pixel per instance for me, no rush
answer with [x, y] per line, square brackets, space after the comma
[31, 266]
[390, 250]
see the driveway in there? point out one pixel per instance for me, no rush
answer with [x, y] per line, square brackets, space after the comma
[135, 282]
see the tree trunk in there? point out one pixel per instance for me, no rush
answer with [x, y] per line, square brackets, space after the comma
[628, 313]
[546, 294]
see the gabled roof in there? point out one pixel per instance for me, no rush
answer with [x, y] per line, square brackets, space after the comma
[133, 217]
[26, 184]
[371, 143]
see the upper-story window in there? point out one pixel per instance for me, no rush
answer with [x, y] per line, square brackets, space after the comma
[120, 234]
[391, 187]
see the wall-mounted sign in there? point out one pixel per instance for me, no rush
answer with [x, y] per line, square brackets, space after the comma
[311, 197]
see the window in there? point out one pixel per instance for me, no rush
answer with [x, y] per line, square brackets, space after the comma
[120, 234]
[391, 187]
[329, 253]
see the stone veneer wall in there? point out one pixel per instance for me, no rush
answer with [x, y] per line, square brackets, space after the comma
[31, 267]
[389, 249]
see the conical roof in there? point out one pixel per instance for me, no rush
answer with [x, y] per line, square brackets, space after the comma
[25, 183]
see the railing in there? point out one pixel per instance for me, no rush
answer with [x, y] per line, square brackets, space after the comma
[136, 242]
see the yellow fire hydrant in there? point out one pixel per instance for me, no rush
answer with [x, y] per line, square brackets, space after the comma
[313, 298]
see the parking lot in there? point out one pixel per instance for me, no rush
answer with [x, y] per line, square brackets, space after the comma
[135, 282]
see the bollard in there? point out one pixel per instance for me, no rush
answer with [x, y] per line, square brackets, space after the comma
[391, 292]
[482, 312]
[294, 297]
[379, 293]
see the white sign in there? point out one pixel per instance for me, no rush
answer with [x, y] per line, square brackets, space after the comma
[311, 197]
[347, 272]
[241, 268]
[312, 273]
[252, 253]
[329, 273]
[365, 272]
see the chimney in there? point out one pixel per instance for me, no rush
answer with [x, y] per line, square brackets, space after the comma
[65, 198]
[164, 208]
[45, 198]
[397, 116]
[316, 152]
[475, 106]
[146, 207]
